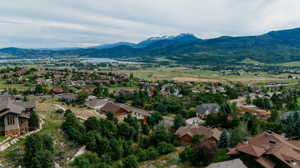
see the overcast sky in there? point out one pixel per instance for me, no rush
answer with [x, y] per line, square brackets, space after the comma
[74, 23]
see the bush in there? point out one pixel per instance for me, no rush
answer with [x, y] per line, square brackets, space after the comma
[165, 148]
[39, 152]
[60, 111]
[130, 162]
[89, 160]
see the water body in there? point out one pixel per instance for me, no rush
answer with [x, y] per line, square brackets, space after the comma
[88, 60]
[105, 60]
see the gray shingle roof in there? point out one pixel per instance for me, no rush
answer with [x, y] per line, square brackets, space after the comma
[205, 109]
[9, 105]
[237, 163]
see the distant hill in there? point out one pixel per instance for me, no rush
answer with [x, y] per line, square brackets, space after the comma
[273, 47]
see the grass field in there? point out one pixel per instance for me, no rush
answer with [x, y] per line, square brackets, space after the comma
[195, 75]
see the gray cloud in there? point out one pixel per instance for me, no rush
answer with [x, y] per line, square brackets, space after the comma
[67, 23]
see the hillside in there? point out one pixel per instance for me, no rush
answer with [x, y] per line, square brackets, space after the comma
[273, 47]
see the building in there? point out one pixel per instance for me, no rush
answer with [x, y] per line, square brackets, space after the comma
[14, 116]
[96, 104]
[205, 109]
[122, 110]
[236, 163]
[68, 97]
[268, 150]
[186, 133]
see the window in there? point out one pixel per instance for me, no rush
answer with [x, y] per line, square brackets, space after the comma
[10, 120]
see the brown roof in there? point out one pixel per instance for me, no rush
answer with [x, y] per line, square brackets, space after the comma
[192, 130]
[267, 144]
[115, 107]
[252, 150]
[111, 107]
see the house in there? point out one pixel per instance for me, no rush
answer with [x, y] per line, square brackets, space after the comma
[286, 115]
[122, 110]
[268, 150]
[236, 163]
[68, 97]
[186, 133]
[14, 116]
[96, 104]
[260, 113]
[205, 109]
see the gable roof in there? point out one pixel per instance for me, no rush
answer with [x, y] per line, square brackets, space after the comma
[192, 130]
[236, 163]
[205, 109]
[96, 102]
[9, 105]
[267, 144]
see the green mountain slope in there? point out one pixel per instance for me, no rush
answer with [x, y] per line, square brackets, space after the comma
[273, 47]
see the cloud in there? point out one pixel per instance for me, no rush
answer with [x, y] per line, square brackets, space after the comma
[67, 23]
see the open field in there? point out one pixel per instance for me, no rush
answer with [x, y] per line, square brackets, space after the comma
[196, 75]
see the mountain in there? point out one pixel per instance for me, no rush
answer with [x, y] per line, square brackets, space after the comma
[272, 47]
[105, 46]
[168, 40]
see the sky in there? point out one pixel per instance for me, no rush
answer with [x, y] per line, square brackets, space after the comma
[83, 23]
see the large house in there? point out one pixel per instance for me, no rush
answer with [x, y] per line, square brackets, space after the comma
[122, 110]
[206, 109]
[210, 135]
[14, 116]
[96, 104]
[268, 150]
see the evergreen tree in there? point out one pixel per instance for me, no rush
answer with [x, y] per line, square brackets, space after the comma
[224, 139]
[34, 121]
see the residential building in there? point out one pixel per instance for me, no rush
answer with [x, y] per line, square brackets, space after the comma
[268, 150]
[186, 133]
[205, 109]
[14, 116]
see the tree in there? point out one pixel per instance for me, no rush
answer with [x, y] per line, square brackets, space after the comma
[197, 138]
[38, 152]
[248, 100]
[89, 160]
[292, 126]
[73, 128]
[274, 116]
[101, 91]
[224, 139]
[39, 89]
[34, 121]
[82, 96]
[165, 148]
[110, 116]
[238, 135]
[178, 122]
[154, 118]
[130, 162]
[126, 131]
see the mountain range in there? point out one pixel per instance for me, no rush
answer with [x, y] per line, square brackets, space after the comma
[272, 47]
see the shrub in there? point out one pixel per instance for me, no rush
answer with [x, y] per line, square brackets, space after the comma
[165, 148]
